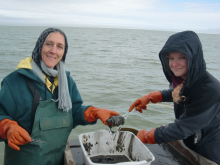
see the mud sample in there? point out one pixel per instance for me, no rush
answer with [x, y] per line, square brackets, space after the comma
[109, 159]
[115, 121]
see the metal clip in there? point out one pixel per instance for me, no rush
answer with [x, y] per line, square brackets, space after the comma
[128, 113]
[36, 141]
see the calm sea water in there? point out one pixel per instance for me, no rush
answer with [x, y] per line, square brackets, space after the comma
[111, 67]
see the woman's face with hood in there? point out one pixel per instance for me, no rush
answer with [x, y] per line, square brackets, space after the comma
[178, 64]
[53, 49]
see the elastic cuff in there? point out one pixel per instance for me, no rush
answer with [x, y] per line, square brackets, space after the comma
[90, 114]
[151, 139]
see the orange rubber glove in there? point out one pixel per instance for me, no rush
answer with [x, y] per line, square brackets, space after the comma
[147, 136]
[15, 134]
[91, 114]
[141, 103]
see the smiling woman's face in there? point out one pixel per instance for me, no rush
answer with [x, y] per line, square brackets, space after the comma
[178, 64]
[53, 49]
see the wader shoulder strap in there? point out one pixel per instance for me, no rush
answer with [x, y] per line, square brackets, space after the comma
[36, 99]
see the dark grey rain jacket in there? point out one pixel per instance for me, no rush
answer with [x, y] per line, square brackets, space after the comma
[197, 120]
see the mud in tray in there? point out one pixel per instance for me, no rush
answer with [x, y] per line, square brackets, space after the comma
[121, 147]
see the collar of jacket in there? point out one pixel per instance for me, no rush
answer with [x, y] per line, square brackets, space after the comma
[24, 68]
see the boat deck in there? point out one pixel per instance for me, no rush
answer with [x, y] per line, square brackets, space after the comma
[170, 153]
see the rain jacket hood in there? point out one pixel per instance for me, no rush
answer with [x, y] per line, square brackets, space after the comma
[25, 63]
[187, 43]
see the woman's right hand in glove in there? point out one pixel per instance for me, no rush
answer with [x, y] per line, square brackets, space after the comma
[15, 134]
[141, 103]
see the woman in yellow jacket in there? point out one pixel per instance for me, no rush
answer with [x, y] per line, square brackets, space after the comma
[39, 102]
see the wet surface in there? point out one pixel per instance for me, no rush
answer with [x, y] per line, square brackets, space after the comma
[109, 159]
[165, 154]
[115, 121]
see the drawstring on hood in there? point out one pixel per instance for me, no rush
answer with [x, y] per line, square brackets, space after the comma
[187, 43]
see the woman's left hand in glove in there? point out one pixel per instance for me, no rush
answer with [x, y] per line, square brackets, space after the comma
[91, 114]
[147, 136]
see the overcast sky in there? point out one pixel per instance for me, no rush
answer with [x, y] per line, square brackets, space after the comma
[197, 15]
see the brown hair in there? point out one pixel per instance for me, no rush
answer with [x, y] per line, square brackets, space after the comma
[177, 98]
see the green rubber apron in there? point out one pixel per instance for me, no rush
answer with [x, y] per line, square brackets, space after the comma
[52, 126]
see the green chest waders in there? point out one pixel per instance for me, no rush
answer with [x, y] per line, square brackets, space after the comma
[52, 126]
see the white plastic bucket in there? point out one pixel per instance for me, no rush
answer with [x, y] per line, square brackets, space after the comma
[104, 142]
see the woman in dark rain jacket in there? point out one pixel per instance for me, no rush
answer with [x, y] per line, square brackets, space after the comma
[196, 96]
[40, 105]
